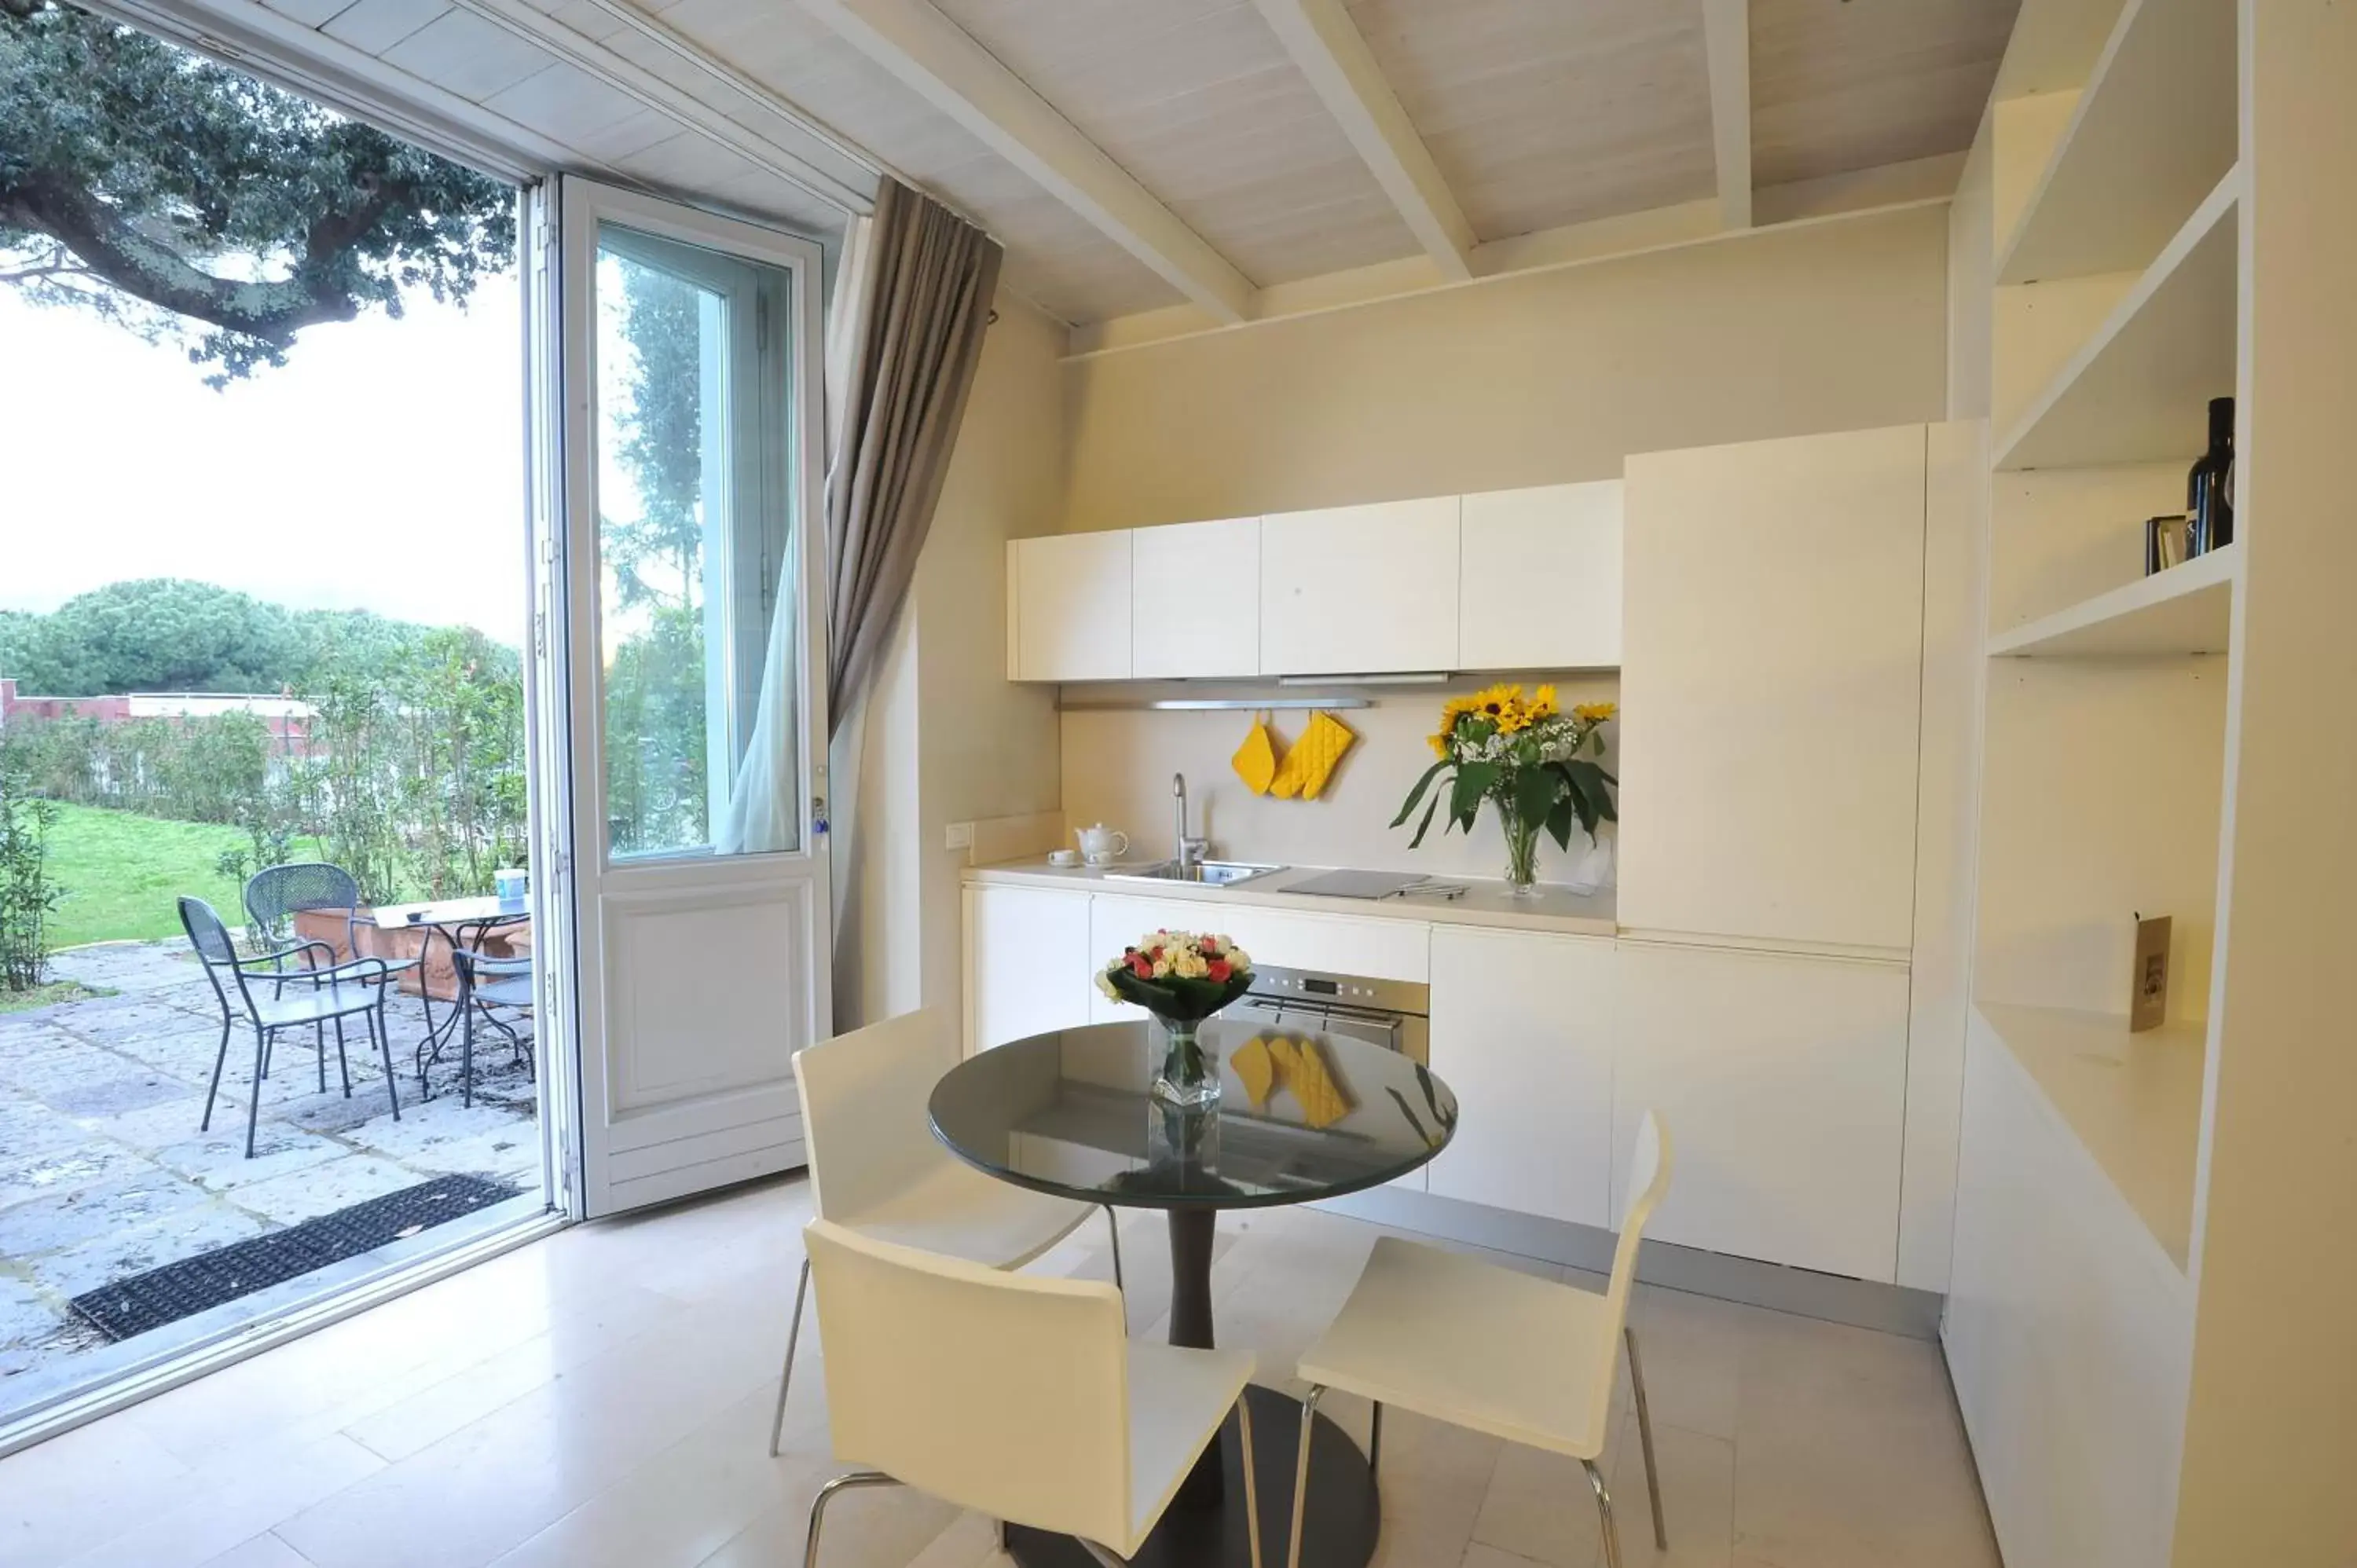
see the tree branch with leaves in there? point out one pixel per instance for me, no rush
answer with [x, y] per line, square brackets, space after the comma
[170, 194]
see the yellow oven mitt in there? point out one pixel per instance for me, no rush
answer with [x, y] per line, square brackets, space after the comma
[1256, 1070]
[1311, 762]
[1302, 1068]
[1255, 760]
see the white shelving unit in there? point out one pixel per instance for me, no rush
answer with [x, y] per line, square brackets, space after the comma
[2154, 129]
[2137, 391]
[2188, 609]
[2133, 1102]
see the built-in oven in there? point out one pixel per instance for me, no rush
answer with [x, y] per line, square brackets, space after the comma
[1393, 1013]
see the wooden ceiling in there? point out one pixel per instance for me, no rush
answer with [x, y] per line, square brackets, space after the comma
[1139, 154]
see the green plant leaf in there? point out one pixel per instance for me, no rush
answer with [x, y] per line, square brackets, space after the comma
[1417, 793]
[1474, 783]
[1423, 825]
[1596, 786]
[1535, 792]
[1560, 818]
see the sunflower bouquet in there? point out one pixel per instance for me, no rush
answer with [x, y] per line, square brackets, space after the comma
[1524, 755]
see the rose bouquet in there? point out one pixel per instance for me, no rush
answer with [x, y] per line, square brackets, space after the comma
[1182, 979]
[1525, 755]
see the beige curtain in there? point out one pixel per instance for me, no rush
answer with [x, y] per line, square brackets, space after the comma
[909, 352]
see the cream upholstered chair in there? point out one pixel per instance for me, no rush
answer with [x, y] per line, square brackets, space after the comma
[1482, 1347]
[876, 1166]
[1021, 1397]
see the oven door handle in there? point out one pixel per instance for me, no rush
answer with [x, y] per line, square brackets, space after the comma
[1384, 1029]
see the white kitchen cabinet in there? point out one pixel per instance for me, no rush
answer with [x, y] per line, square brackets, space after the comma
[1026, 963]
[1360, 588]
[1782, 1080]
[1522, 1030]
[1770, 695]
[1541, 585]
[1069, 607]
[1195, 599]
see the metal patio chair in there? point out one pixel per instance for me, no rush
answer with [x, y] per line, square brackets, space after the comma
[484, 983]
[318, 994]
[277, 892]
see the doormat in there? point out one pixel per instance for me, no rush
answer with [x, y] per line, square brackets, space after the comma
[166, 1294]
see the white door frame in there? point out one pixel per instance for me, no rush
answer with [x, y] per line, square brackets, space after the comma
[640, 1141]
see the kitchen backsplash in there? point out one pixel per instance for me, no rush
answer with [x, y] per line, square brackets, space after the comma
[1117, 768]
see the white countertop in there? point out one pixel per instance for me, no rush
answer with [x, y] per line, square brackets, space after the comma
[1484, 902]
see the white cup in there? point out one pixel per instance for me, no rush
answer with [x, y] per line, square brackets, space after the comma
[1100, 843]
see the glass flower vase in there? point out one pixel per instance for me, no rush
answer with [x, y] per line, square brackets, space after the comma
[1190, 1076]
[1521, 856]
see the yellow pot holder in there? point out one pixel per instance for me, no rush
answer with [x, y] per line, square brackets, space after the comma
[1255, 760]
[1311, 763]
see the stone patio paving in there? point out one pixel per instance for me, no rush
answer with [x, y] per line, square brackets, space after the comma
[103, 1173]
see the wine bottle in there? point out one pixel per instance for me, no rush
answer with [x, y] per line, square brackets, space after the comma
[2208, 495]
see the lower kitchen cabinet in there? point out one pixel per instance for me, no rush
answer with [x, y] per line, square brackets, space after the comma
[1782, 1080]
[1522, 1029]
[1028, 968]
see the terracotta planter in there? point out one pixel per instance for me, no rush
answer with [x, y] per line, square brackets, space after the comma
[434, 975]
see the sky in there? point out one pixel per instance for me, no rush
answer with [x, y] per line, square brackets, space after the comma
[382, 469]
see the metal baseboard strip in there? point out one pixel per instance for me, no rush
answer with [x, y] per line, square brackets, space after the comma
[1862, 1304]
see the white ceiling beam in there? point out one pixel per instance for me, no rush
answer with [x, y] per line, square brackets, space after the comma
[1342, 69]
[957, 75]
[1726, 43]
[634, 80]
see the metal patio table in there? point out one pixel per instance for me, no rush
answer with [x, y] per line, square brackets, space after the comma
[459, 922]
[1072, 1113]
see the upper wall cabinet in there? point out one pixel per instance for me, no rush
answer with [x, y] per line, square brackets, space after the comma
[1539, 587]
[1360, 588]
[1069, 615]
[1183, 628]
[1772, 691]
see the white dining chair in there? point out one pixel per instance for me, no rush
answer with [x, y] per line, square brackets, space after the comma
[1495, 1350]
[876, 1166]
[1018, 1396]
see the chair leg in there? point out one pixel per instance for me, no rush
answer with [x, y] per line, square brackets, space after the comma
[1113, 1225]
[221, 1060]
[786, 1378]
[1376, 1439]
[1302, 1472]
[1604, 1509]
[261, 1071]
[1645, 1435]
[343, 1064]
[1251, 1473]
[383, 1038]
[319, 1051]
[466, 1055]
[826, 1495]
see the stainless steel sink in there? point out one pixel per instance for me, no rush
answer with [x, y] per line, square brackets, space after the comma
[1209, 873]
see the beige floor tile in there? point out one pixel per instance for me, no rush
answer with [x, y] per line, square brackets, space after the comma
[603, 1397]
[1850, 1453]
[262, 1552]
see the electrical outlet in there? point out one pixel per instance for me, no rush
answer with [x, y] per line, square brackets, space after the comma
[961, 836]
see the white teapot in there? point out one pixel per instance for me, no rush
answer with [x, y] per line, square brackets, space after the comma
[1100, 844]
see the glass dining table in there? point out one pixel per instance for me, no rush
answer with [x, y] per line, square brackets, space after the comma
[1300, 1117]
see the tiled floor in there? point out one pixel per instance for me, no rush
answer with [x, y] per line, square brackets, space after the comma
[600, 1400]
[103, 1172]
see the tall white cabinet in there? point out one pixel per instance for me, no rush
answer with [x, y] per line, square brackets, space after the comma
[1771, 694]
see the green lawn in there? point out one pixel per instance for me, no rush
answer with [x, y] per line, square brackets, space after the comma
[121, 872]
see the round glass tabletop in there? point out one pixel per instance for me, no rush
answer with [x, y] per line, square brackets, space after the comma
[1300, 1116]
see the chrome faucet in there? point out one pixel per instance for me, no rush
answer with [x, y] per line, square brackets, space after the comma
[1188, 852]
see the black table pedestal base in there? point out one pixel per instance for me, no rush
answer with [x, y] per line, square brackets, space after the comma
[1345, 1514]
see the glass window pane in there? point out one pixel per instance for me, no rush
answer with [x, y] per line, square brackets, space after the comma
[694, 518]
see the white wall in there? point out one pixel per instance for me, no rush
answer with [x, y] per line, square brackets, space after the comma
[1538, 378]
[948, 738]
